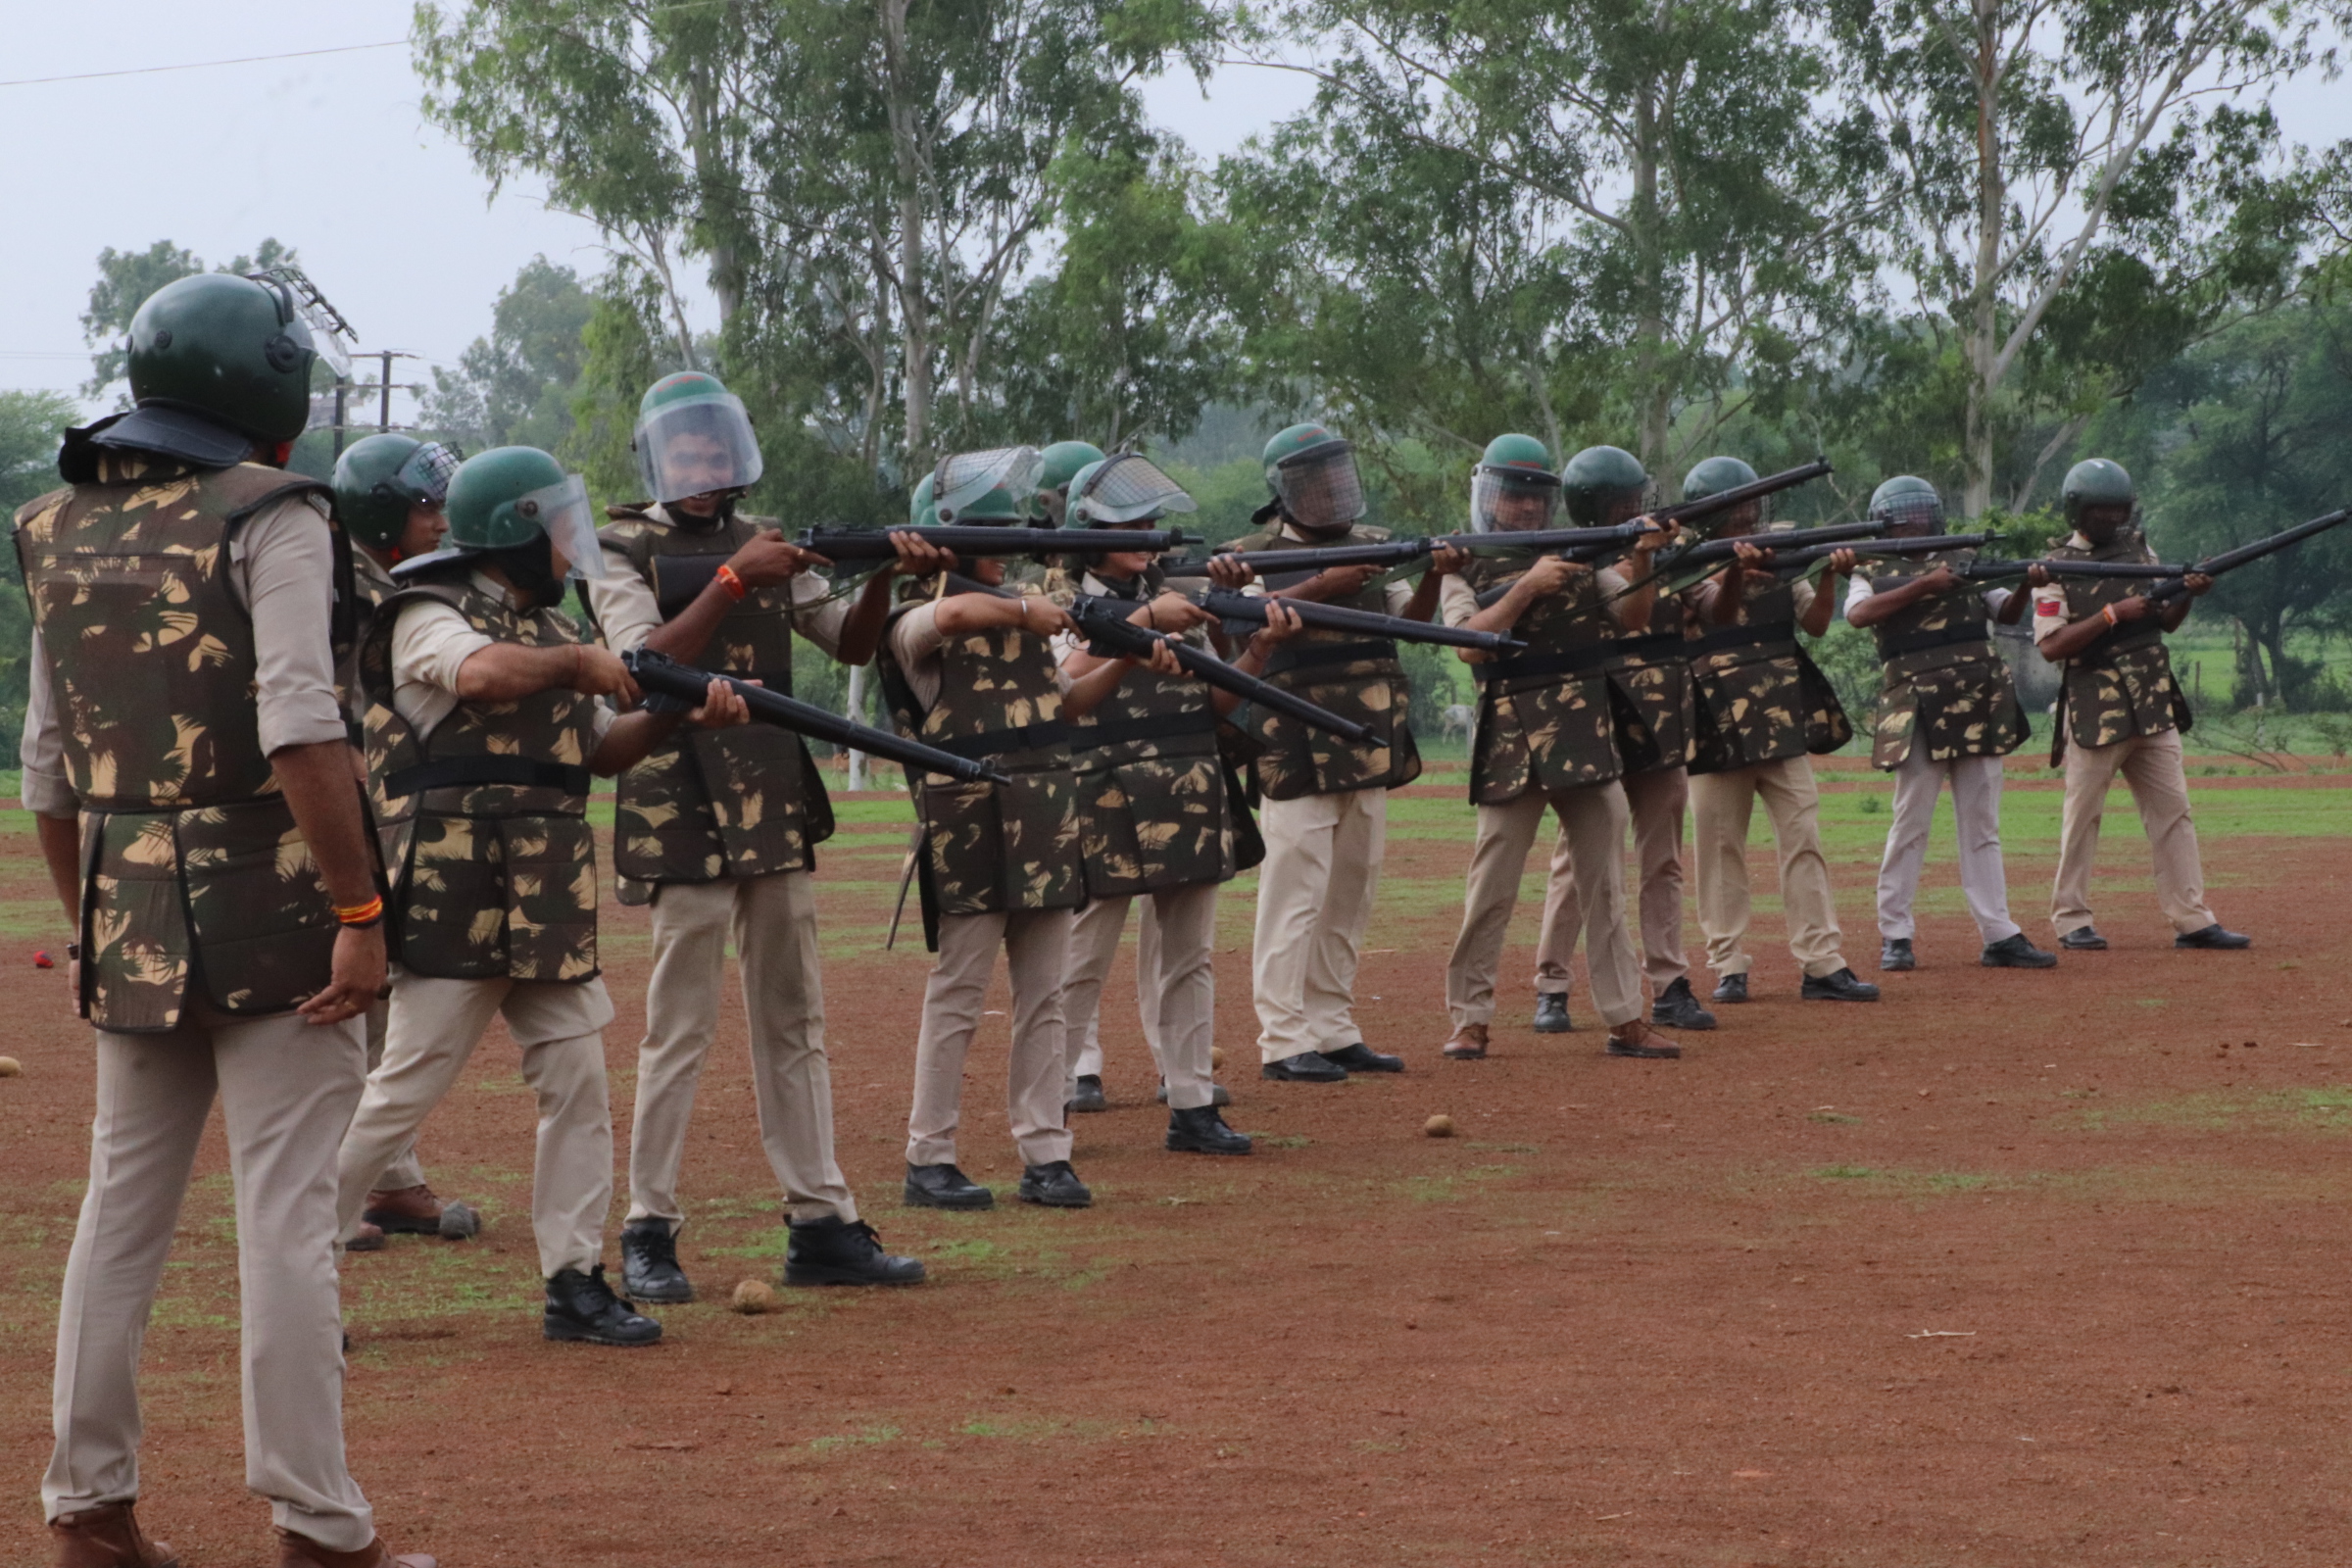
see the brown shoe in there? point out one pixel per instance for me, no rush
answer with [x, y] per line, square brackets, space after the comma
[367, 1239]
[1469, 1043]
[1633, 1038]
[418, 1211]
[108, 1537]
[301, 1551]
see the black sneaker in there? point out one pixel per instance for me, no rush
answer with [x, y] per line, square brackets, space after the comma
[1055, 1185]
[1360, 1058]
[649, 1262]
[2084, 939]
[1201, 1131]
[1731, 986]
[1087, 1095]
[1838, 986]
[1552, 1014]
[1219, 1094]
[2214, 937]
[1896, 953]
[838, 1252]
[944, 1187]
[2016, 953]
[583, 1307]
[1306, 1068]
[1677, 1008]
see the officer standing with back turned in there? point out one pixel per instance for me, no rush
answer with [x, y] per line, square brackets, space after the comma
[202, 826]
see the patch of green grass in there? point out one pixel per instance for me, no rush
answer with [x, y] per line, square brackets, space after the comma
[864, 1436]
[2322, 1110]
[1909, 1183]
[1836, 1117]
[1282, 1140]
[1449, 1189]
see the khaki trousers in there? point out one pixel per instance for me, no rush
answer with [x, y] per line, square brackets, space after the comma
[1657, 800]
[2151, 768]
[1592, 821]
[1314, 899]
[405, 1170]
[773, 922]
[1037, 947]
[286, 1092]
[558, 1028]
[1976, 823]
[1722, 804]
[1175, 987]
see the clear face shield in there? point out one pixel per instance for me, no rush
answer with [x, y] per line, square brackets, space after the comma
[695, 446]
[1128, 488]
[562, 514]
[964, 478]
[1513, 500]
[424, 478]
[1913, 514]
[1320, 487]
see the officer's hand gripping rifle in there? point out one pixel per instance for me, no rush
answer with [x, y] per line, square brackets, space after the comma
[2231, 559]
[1796, 562]
[664, 677]
[1247, 609]
[1111, 635]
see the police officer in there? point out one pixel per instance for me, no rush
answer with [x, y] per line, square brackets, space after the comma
[389, 491]
[999, 864]
[1547, 735]
[718, 830]
[1057, 465]
[2119, 710]
[1947, 710]
[200, 822]
[1158, 818]
[483, 728]
[1606, 487]
[1325, 817]
[1761, 710]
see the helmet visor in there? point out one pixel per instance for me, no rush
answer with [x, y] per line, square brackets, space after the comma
[963, 478]
[1129, 488]
[696, 445]
[424, 477]
[1918, 510]
[1320, 487]
[1513, 500]
[562, 514]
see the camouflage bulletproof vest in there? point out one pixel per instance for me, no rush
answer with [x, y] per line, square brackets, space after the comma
[371, 586]
[484, 818]
[1150, 783]
[1945, 686]
[990, 848]
[1350, 675]
[1545, 720]
[1756, 696]
[2122, 685]
[705, 803]
[1652, 682]
[193, 870]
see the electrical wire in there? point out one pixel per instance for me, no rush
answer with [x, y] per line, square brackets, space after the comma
[207, 65]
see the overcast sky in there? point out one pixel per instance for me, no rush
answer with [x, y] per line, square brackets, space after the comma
[329, 154]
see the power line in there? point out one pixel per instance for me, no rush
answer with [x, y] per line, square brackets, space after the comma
[207, 65]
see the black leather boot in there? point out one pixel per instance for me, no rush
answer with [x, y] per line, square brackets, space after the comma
[1677, 1008]
[649, 1262]
[1552, 1014]
[944, 1187]
[582, 1307]
[1201, 1131]
[1055, 1185]
[838, 1252]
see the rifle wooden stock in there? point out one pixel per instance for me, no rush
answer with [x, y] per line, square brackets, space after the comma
[1107, 629]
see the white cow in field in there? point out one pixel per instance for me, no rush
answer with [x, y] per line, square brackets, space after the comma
[1457, 720]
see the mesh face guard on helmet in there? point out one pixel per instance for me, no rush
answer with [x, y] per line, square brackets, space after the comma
[964, 478]
[1128, 488]
[695, 445]
[1320, 487]
[562, 514]
[1513, 500]
[1918, 510]
[424, 477]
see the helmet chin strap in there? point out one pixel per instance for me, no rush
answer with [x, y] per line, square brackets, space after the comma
[530, 568]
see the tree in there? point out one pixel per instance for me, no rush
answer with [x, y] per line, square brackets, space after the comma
[31, 424]
[125, 281]
[2065, 186]
[515, 386]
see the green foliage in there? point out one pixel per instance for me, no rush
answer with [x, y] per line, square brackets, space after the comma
[125, 281]
[31, 424]
[515, 386]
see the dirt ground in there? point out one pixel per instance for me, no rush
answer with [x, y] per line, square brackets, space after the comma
[2010, 1269]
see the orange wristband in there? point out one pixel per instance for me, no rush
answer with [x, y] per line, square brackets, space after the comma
[362, 913]
[2107, 613]
[732, 583]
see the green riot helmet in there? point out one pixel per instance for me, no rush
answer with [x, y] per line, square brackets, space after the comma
[1601, 480]
[217, 363]
[2097, 483]
[694, 439]
[1312, 474]
[919, 509]
[379, 478]
[1907, 505]
[1513, 489]
[514, 504]
[980, 488]
[1713, 477]
[1060, 466]
[1127, 488]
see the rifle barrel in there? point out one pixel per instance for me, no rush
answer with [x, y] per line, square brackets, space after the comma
[1227, 604]
[2232, 559]
[874, 544]
[1740, 495]
[1311, 558]
[1102, 623]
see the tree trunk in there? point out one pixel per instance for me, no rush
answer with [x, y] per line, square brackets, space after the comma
[857, 715]
[914, 313]
[1654, 405]
[1983, 326]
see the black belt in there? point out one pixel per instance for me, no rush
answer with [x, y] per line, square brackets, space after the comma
[1328, 653]
[2117, 640]
[996, 742]
[1919, 642]
[1570, 661]
[1732, 637]
[452, 771]
[1154, 727]
[1652, 645]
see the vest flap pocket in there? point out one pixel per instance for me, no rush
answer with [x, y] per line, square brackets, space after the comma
[134, 931]
[264, 927]
[453, 916]
[551, 898]
[1176, 819]
[1571, 732]
[965, 847]
[1038, 812]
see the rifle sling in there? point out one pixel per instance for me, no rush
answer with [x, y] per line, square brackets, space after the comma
[2117, 640]
[1919, 642]
[1153, 727]
[1778, 639]
[452, 771]
[998, 742]
[1568, 662]
[1318, 653]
